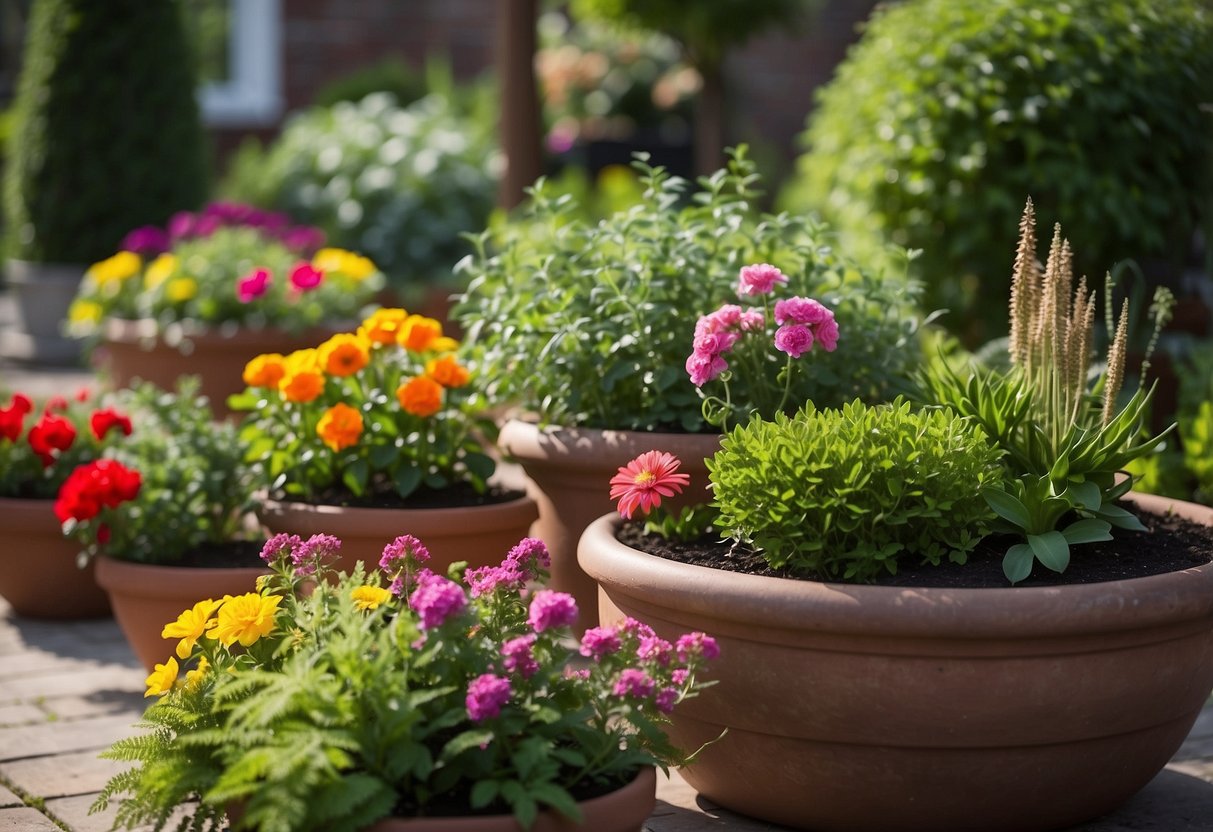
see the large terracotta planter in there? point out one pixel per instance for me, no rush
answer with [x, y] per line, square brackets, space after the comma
[480, 535]
[894, 709]
[38, 572]
[136, 350]
[145, 597]
[570, 471]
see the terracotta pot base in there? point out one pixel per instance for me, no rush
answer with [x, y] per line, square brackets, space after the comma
[38, 572]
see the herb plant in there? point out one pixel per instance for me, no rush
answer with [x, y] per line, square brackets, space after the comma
[1065, 439]
[384, 409]
[333, 708]
[588, 324]
[846, 494]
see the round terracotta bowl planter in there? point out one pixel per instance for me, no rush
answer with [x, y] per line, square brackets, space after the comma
[38, 572]
[480, 535]
[145, 597]
[570, 471]
[136, 350]
[891, 709]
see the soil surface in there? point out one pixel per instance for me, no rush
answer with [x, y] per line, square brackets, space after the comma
[235, 553]
[1170, 544]
[460, 495]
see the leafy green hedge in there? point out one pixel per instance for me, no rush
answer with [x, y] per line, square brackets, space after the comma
[947, 115]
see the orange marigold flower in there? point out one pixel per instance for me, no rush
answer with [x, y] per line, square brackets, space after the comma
[340, 426]
[383, 326]
[447, 371]
[343, 354]
[265, 370]
[302, 386]
[420, 396]
[419, 333]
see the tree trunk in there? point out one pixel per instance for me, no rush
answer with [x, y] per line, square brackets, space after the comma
[709, 119]
[520, 127]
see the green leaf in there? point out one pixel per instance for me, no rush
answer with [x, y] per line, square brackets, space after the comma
[1017, 562]
[1007, 506]
[381, 456]
[484, 793]
[1086, 531]
[355, 476]
[558, 799]
[1051, 549]
[462, 742]
[1086, 494]
[406, 480]
[481, 465]
[1120, 518]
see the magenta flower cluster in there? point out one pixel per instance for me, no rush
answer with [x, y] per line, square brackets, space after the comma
[403, 559]
[528, 561]
[486, 695]
[436, 599]
[318, 552]
[150, 240]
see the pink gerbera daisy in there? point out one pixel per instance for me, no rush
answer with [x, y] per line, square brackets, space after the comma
[645, 480]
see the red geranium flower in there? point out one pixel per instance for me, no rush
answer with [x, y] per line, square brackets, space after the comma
[12, 422]
[52, 433]
[22, 404]
[56, 403]
[90, 487]
[104, 420]
[645, 480]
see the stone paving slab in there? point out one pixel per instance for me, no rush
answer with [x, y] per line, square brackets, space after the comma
[63, 775]
[26, 820]
[8, 799]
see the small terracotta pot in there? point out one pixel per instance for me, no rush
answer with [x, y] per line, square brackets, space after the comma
[570, 471]
[38, 572]
[480, 535]
[146, 597]
[136, 350]
[896, 709]
[623, 810]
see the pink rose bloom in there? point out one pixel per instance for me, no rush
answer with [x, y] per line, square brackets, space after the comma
[726, 317]
[752, 320]
[827, 334]
[634, 683]
[715, 342]
[486, 695]
[794, 339]
[253, 285]
[759, 279]
[436, 599]
[306, 277]
[702, 367]
[551, 609]
[599, 642]
[801, 311]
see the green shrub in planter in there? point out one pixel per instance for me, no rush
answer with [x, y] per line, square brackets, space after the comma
[947, 115]
[844, 494]
[108, 136]
[398, 184]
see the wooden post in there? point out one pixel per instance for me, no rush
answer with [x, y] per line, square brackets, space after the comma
[520, 127]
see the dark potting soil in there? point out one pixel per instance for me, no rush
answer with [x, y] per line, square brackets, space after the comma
[460, 495]
[1170, 544]
[233, 554]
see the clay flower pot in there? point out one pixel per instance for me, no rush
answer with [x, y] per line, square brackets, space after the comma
[38, 572]
[893, 709]
[145, 597]
[569, 470]
[136, 349]
[480, 535]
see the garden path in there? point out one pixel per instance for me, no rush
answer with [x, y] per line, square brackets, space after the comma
[69, 689]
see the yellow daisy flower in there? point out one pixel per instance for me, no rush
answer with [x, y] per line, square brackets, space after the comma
[162, 678]
[195, 677]
[370, 597]
[181, 289]
[159, 270]
[190, 626]
[244, 619]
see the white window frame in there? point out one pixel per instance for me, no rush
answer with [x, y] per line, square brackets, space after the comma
[252, 95]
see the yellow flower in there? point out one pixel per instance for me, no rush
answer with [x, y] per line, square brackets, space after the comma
[123, 265]
[303, 361]
[265, 370]
[370, 597]
[195, 677]
[343, 354]
[159, 270]
[85, 311]
[162, 679]
[383, 325]
[444, 344]
[447, 371]
[244, 618]
[181, 289]
[419, 333]
[190, 626]
[340, 426]
[420, 396]
[353, 266]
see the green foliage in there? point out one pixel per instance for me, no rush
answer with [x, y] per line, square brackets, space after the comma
[947, 115]
[846, 494]
[590, 324]
[390, 75]
[196, 486]
[398, 184]
[108, 135]
[356, 706]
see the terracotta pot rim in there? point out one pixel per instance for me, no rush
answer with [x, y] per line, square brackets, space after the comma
[527, 440]
[138, 330]
[370, 519]
[1003, 613]
[147, 579]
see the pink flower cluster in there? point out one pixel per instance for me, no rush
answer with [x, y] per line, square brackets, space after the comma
[759, 279]
[525, 562]
[803, 322]
[436, 599]
[487, 694]
[715, 334]
[306, 556]
[551, 609]
[517, 656]
[402, 559]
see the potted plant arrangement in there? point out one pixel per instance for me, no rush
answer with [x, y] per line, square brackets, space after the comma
[214, 289]
[932, 695]
[39, 447]
[163, 514]
[375, 431]
[401, 699]
[582, 327]
[106, 136]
